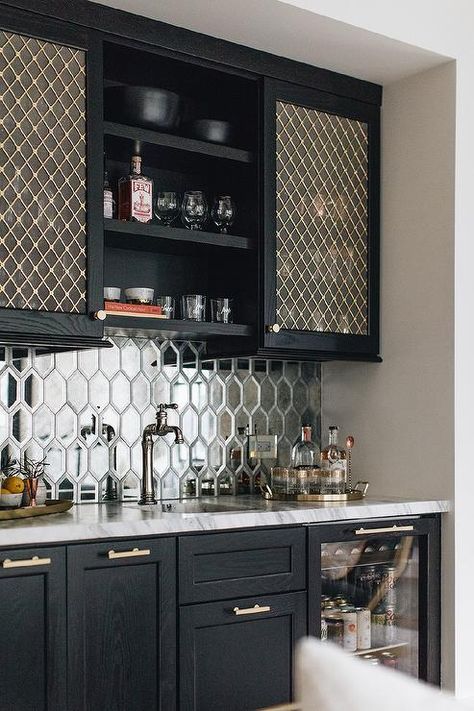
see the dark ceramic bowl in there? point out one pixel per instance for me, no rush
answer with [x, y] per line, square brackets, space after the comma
[143, 106]
[212, 130]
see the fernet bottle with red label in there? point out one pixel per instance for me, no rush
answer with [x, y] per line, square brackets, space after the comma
[135, 193]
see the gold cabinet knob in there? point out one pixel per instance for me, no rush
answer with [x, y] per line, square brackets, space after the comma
[273, 328]
[100, 315]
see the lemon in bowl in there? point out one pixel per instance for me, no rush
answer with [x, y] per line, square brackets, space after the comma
[13, 485]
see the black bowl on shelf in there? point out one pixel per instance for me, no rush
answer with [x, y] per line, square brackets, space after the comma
[212, 130]
[144, 106]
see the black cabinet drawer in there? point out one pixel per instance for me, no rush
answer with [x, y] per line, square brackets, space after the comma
[223, 565]
[235, 658]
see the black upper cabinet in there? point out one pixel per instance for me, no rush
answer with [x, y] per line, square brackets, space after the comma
[50, 211]
[301, 261]
[320, 241]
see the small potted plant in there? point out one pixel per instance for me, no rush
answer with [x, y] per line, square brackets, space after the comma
[32, 470]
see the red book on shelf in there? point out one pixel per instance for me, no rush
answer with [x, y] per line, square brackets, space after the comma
[134, 309]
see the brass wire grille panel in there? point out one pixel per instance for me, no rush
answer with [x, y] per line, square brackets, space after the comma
[321, 208]
[42, 175]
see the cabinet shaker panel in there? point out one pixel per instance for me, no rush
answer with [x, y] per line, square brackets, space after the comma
[42, 175]
[321, 221]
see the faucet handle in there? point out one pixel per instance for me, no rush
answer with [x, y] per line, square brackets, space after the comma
[167, 406]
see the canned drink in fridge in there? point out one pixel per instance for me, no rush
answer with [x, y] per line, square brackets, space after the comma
[390, 660]
[350, 629]
[390, 624]
[363, 628]
[335, 630]
[324, 630]
[389, 580]
[374, 661]
[378, 629]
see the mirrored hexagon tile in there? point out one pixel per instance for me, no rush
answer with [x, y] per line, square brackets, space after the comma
[86, 412]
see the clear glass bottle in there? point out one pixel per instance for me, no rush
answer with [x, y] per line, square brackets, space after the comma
[305, 454]
[333, 456]
[135, 194]
[108, 198]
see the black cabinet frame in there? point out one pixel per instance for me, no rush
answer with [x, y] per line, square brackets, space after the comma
[427, 530]
[364, 347]
[57, 330]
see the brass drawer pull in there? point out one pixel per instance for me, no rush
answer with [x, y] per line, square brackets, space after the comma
[388, 529]
[273, 328]
[99, 315]
[134, 553]
[8, 563]
[251, 610]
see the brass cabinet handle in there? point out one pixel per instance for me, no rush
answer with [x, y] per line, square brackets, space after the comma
[8, 563]
[251, 610]
[99, 315]
[134, 553]
[273, 328]
[388, 529]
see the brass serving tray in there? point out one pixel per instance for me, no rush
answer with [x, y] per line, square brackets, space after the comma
[52, 506]
[354, 494]
[348, 496]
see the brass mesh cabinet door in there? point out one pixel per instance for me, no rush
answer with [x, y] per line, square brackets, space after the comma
[42, 175]
[321, 211]
[321, 222]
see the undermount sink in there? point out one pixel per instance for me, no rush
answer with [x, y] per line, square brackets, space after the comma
[203, 506]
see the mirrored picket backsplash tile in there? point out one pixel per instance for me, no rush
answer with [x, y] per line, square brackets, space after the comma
[85, 413]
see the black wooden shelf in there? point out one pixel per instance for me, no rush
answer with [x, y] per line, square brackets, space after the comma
[153, 236]
[174, 328]
[138, 136]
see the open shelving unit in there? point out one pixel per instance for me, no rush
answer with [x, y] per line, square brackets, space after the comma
[133, 135]
[150, 236]
[171, 259]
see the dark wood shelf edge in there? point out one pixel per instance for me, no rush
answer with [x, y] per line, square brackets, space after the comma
[174, 329]
[180, 143]
[178, 234]
[52, 344]
[293, 355]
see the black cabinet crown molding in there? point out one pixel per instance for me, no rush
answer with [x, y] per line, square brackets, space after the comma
[188, 42]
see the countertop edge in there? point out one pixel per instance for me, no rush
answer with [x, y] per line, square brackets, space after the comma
[71, 529]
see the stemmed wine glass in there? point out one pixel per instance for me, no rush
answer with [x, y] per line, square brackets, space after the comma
[223, 213]
[194, 209]
[166, 207]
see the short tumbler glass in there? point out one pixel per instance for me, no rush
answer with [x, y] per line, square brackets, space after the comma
[193, 307]
[168, 304]
[222, 310]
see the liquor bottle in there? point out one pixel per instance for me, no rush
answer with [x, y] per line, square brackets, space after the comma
[108, 198]
[135, 194]
[305, 454]
[333, 456]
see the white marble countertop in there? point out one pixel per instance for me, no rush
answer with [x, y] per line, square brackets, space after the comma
[114, 520]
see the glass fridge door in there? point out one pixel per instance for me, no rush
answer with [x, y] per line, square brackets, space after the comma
[370, 599]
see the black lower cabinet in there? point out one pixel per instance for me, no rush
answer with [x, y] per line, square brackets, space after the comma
[239, 657]
[122, 622]
[33, 636]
